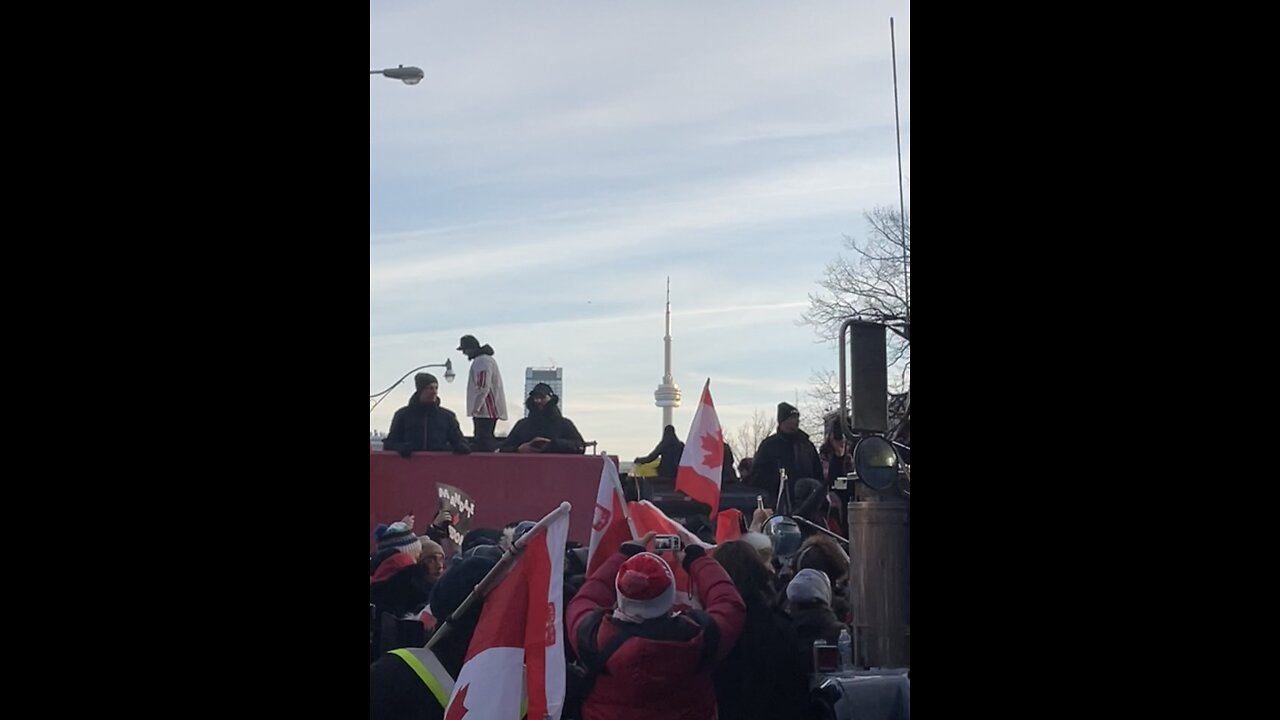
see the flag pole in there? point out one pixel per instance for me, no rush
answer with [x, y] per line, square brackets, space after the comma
[630, 523]
[626, 513]
[499, 571]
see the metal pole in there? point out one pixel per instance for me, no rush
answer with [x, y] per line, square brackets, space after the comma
[820, 529]
[447, 365]
[902, 208]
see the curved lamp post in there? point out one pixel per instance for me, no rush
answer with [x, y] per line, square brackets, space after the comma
[409, 76]
[448, 377]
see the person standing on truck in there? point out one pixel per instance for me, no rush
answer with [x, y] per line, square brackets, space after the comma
[486, 401]
[422, 425]
[788, 449]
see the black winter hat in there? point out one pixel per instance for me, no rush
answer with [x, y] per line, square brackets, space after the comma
[786, 410]
[422, 380]
[457, 583]
[480, 536]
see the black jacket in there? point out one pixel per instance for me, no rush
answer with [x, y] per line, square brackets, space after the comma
[397, 693]
[421, 427]
[547, 423]
[398, 588]
[812, 621]
[670, 450]
[765, 676]
[727, 474]
[794, 452]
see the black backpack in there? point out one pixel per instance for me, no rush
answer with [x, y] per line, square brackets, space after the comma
[582, 673]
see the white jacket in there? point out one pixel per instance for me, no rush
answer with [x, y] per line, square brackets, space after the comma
[485, 398]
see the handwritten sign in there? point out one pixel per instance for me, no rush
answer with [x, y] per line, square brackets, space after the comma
[460, 506]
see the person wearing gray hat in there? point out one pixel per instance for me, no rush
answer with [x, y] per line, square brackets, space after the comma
[422, 425]
[809, 604]
[486, 400]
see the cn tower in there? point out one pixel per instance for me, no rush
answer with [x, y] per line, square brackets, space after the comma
[667, 396]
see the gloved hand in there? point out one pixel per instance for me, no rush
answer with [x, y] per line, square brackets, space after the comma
[405, 452]
[443, 519]
[631, 548]
[691, 553]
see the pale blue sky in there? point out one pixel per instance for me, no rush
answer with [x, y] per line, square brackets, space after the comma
[561, 158]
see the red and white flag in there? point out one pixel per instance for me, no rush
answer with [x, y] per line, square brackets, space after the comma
[703, 457]
[648, 518]
[519, 640]
[610, 525]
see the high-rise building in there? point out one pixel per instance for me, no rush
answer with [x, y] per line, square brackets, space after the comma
[553, 376]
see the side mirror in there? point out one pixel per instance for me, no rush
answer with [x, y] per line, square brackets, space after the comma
[784, 535]
[876, 462]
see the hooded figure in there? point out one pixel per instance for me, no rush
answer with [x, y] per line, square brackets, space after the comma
[809, 602]
[422, 425]
[670, 448]
[545, 430]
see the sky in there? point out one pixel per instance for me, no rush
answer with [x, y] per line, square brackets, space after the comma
[562, 158]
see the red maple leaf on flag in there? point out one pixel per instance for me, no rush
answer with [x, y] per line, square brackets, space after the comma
[711, 444]
[459, 708]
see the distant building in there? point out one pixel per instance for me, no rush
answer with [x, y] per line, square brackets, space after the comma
[553, 376]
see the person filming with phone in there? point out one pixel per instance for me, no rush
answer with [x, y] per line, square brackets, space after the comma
[644, 660]
[545, 430]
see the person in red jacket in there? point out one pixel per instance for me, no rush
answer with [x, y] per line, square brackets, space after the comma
[663, 669]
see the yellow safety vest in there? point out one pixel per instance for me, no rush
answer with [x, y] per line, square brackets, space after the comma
[428, 668]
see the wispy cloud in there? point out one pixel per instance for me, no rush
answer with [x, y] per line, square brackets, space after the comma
[562, 158]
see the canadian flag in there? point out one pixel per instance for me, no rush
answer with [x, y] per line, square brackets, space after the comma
[648, 518]
[519, 640]
[703, 457]
[610, 525]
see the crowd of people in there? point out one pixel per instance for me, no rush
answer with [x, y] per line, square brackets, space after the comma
[651, 657]
[746, 653]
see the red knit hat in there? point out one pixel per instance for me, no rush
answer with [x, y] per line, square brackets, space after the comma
[646, 587]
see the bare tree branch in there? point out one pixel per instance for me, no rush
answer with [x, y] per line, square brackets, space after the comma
[869, 285]
[747, 437]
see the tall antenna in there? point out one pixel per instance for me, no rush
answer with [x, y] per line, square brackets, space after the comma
[667, 396]
[902, 208]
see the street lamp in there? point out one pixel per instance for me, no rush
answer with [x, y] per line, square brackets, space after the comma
[408, 75]
[448, 377]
